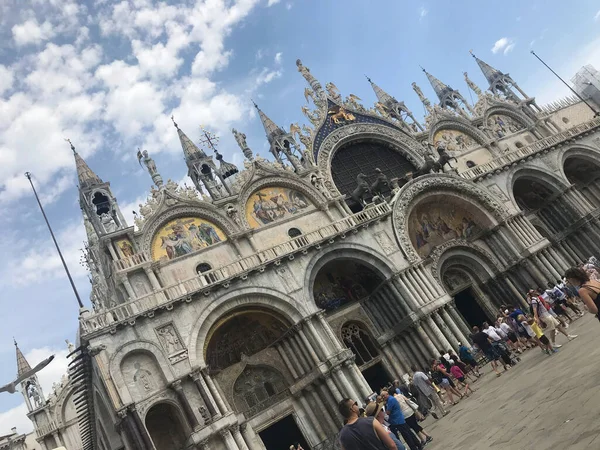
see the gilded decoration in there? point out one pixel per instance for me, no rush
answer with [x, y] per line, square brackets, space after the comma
[501, 125]
[454, 140]
[432, 223]
[126, 248]
[272, 204]
[185, 235]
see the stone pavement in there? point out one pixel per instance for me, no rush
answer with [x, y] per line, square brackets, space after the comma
[544, 402]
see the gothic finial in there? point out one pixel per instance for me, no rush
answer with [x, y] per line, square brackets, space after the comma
[15, 341]
[255, 105]
[472, 54]
[71, 144]
[174, 123]
[368, 79]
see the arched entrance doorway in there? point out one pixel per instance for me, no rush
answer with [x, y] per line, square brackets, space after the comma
[584, 174]
[364, 156]
[340, 283]
[165, 426]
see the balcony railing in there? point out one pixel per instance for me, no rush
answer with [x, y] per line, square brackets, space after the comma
[43, 430]
[240, 268]
[131, 261]
[529, 150]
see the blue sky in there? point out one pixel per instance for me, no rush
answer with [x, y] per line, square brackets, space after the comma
[109, 74]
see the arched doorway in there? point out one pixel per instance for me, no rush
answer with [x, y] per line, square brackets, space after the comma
[584, 174]
[364, 156]
[165, 426]
[358, 339]
[242, 332]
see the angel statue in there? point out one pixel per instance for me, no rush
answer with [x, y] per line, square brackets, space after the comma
[333, 92]
[295, 130]
[309, 94]
[11, 387]
[353, 102]
[381, 110]
[148, 162]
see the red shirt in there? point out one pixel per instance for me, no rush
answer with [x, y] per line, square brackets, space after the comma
[456, 372]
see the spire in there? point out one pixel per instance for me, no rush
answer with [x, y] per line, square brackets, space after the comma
[190, 150]
[86, 176]
[491, 74]
[382, 96]
[440, 88]
[271, 129]
[22, 364]
[227, 169]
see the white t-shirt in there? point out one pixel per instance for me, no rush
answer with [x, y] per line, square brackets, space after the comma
[500, 332]
[506, 328]
[536, 304]
[491, 332]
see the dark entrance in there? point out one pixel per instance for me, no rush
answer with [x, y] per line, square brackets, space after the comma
[282, 434]
[377, 377]
[468, 306]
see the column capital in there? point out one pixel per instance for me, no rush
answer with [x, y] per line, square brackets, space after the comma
[176, 385]
[195, 375]
[122, 413]
[203, 444]
[243, 426]
[224, 433]
[235, 428]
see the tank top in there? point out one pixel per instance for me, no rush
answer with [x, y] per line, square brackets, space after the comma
[595, 299]
[361, 436]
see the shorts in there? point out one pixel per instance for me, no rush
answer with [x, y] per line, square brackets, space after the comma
[544, 340]
[551, 323]
[524, 334]
[471, 362]
[512, 337]
[446, 382]
[461, 379]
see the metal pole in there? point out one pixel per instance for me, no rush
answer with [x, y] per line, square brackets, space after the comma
[28, 175]
[596, 113]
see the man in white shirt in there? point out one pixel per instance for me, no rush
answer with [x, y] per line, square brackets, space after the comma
[491, 332]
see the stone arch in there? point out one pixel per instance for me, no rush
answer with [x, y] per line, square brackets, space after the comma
[460, 126]
[141, 346]
[579, 153]
[142, 374]
[166, 425]
[357, 337]
[209, 213]
[366, 256]
[400, 142]
[462, 268]
[490, 211]
[505, 110]
[545, 185]
[280, 303]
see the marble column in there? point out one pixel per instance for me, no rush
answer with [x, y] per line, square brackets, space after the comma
[57, 438]
[332, 387]
[539, 278]
[391, 359]
[433, 352]
[314, 422]
[238, 438]
[329, 332]
[402, 285]
[286, 360]
[185, 404]
[307, 345]
[439, 321]
[297, 352]
[203, 389]
[424, 297]
[141, 427]
[131, 430]
[396, 295]
[227, 437]
[222, 406]
[250, 437]
[460, 336]
[459, 320]
[324, 397]
[416, 349]
[128, 288]
[515, 291]
[344, 386]
[316, 338]
[401, 356]
[548, 263]
[152, 277]
[357, 377]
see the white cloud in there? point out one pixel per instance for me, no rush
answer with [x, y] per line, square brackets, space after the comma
[288, 6]
[597, 16]
[16, 417]
[31, 32]
[423, 12]
[6, 79]
[267, 75]
[504, 45]
[278, 57]
[272, 2]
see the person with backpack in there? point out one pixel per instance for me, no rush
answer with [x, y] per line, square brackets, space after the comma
[545, 320]
[362, 433]
[425, 385]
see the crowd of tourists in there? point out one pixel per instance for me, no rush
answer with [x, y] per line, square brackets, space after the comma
[391, 418]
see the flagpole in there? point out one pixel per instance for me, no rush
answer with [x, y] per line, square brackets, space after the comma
[28, 176]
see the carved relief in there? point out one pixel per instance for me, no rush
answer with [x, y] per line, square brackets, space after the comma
[387, 245]
[169, 338]
[495, 189]
[143, 380]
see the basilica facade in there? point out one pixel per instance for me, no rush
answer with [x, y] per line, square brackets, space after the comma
[236, 313]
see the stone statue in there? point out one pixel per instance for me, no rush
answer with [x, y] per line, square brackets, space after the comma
[108, 222]
[172, 186]
[145, 210]
[353, 102]
[148, 162]
[380, 183]
[240, 138]
[381, 110]
[317, 182]
[362, 189]
[309, 94]
[314, 117]
[232, 213]
[204, 414]
[33, 393]
[445, 158]
[305, 71]
[472, 85]
[333, 92]
[422, 97]
[70, 346]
